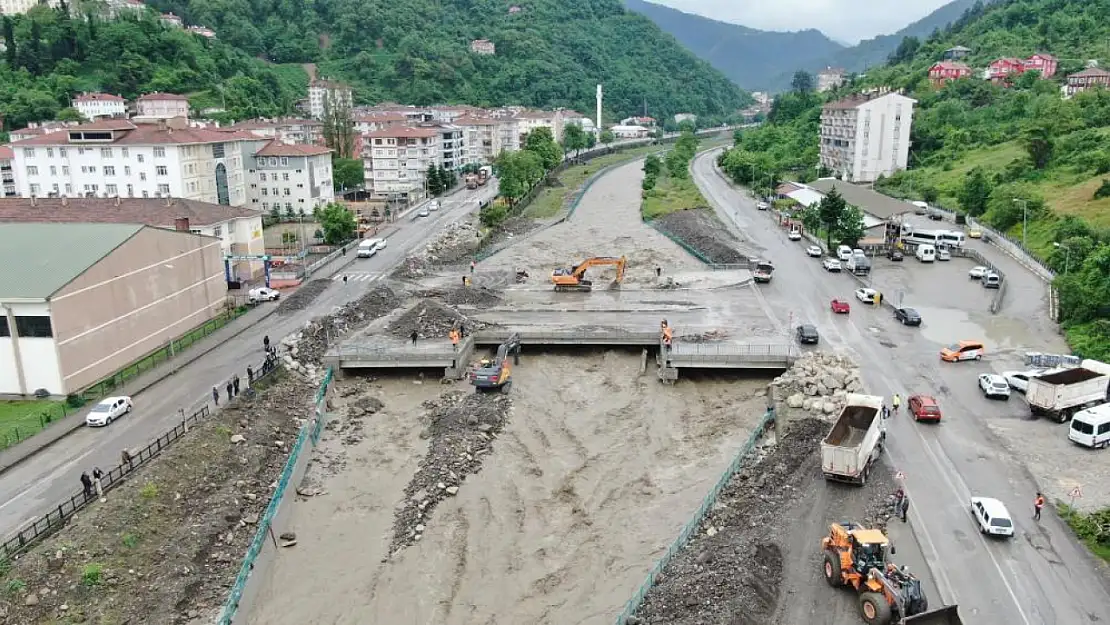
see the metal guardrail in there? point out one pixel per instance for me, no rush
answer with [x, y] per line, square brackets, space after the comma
[690, 529]
[40, 528]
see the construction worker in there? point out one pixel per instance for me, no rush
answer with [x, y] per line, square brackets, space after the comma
[454, 334]
[1038, 503]
[897, 401]
[667, 335]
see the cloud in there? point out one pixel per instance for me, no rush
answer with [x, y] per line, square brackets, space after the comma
[846, 20]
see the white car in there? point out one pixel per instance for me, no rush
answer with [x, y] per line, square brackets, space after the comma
[795, 235]
[944, 254]
[977, 273]
[1019, 380]
[831, 264]
[423, 213]
[263, 294]
[992, 516]
[994, 385]
[109, 409]
[433, 205]
[814, 251]
[762, 206]
[866, 295]
[844, 253]
[380, 245]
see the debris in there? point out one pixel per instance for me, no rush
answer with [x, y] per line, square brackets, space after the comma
[432, 319]
[302, 297]
[236, 439]
[460, 296]
[702, 230]
[303, 350]
[816, 385]
[705, 337]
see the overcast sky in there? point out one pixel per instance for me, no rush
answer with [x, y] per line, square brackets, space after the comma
[844, 20]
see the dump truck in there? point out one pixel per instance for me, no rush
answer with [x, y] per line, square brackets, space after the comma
[497, 374]
[471, 181]
[1061, 394]
[574, 278]
[762, 272]
[855, 441]
[484, 174]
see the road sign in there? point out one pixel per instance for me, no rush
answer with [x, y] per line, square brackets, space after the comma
[239, 258]
[1076, 493]
[900, 476]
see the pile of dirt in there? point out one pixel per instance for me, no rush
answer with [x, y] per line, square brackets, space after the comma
[166, 545]
[456, 243]
[304, 349]
[700, 229]
[479, 296]
[412, 268]
[731, 571]
[509, 229]
[302, 297]
[432, 319]
[461, 428]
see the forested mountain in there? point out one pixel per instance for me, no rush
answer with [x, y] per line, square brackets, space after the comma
[749, 57]
[548, 52]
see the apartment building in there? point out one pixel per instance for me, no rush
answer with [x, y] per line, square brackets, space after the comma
[94, 105]
[449, 113]
[291, 176]
[8, 186]
[396, 160]
[1087, 79]
[323, 94]
[863, 137]
[830, 78]
[483, 138]
[120, 158]
[36, 129]
[527, 121]
[162, 105]
[287, 130]
[369, 122]
[452, 144]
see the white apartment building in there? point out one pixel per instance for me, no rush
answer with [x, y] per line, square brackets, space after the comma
[452, 144]
[326, 93]
[8, 187]
[94, 105]
[396, 160]
[448, 113]
[863, 137]
[369, 122]
[508, 130]
[287, 130]
[162, 105]
[17, 7]
[291, 177]
[120, 158]
[527, 121]
[482, 137]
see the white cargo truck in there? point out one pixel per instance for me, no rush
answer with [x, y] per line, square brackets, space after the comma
[855, 441]
[1061, 394]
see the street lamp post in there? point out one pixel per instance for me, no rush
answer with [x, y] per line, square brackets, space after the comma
[1067, 256]
[1024, 219]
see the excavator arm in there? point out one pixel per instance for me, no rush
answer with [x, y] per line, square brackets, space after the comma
[574, 280]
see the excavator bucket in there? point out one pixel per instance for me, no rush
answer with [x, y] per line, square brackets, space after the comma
[947, 615]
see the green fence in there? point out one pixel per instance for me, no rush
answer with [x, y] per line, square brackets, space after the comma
[691, 527]
[310, 432]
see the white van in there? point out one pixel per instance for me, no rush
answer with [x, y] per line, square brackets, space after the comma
[368, 247]
[926, 253]
[1091, 427]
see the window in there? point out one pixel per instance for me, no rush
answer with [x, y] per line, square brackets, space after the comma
[62, 152]
[5, 331]
[284, 161]
[301, 186]
[54, 188]
[217, 150]
[80, 151]
[288, 206]
[146, 194]
[109, 170]
[273, 161]
[161, 170]
[106, 152]
[125, 153]
[139, 157]
[111, 189]
[34, 189]
[265, 206]
[65, 170]
[130, 190]
[287, 191]
[217, 231]
[285, 177]
[265, 191]
[69, 189]
[164, 189]
[29, 152]
[262, 177]
[159, 152]
[91, 188]
[142, 175]
[34, 327]
[126, 170]
[276, 193]
[49, 152]
[32, 170]
[53, 170]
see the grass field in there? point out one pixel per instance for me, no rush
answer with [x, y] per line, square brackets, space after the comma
[671, 195]
[23, 419]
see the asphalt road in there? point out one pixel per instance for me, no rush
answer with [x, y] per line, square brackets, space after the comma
[42, 481]
[1042, 576]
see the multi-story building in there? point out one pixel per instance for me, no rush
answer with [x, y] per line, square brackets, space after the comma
[288, 130]
[117, 157]
[17, 7]
[396, 161]
[482, 137]
[369, 122]
[573, 118]
[452, 144]
[1044, 63]
[956, 53]
[527, 121]
[162, 105]
[289, 176]
[450, 112]
[94, 105]
[1004, 70]
[863, 137]
[483, 46]
[940, 73]
[8, 186]
[830, 78]
[508, 130]
[36, 129]
[324, 94]
[1087, 79]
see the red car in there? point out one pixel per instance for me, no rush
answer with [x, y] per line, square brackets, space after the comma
[840, 307]
[924, 408]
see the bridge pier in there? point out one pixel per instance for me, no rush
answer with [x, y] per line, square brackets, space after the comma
[458, 366]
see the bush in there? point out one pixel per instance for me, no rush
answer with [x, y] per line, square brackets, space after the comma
[649, 183]
[90, 576]
[1103, 190]
[493, 215]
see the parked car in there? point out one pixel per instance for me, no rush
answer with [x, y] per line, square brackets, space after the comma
[992, 281]
[1019, 380]
[814, 251]
[433, 205]
[844, 253]
[895, 255]
[977, 273]
[762, 206]
[924, 408]
[964, 350]
[944, 254]
[423, 213]
[936, 215]
[107, 410]
[807, 334]
[908, 316]
[840, 307]
[263, 294]
[974, 233]
[831, 265]
[794, 235]
[992, 517]
[994, 386]
[866, 295]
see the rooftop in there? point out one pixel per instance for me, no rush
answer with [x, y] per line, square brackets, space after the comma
[868, 201]
[97, 97]
[160, 213]
[952, 65]
[51, 255]
[157, 95]
[1091, 71]
[126, 132]
[403, 132]
[278, 148]
[380, 117]
[6, 152]
[467, 120]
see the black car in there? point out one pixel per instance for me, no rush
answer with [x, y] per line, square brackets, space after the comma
[908, 316]
[895, 255]
[936, 216]
[807, 334]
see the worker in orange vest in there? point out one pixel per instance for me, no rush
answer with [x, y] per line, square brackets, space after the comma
[667, 334]
[1038, 503]
[454, 334]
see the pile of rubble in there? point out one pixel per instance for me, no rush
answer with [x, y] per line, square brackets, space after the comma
[432, 319]
[818, 383]
[701, 230]
[302, 297]
[461, 428]
[710, 336]
[412, 268]
[456, 243]
[479, 296]
[303, 350]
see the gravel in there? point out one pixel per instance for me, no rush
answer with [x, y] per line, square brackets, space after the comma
[412, 268]
[307, 346]
[702, 230]
[461, 428]
[302, 297]
[473, 296]
[431, 319]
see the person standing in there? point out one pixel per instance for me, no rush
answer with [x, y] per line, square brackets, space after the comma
[897, 401]
[266, 342]
[250, 376]
[86, 484]
[415, 335]
[125, 459]
[658, 272]
[1038, 503]
[235, 385]
[215, 396]
[454, 336]
[472, 266]
[97, 475]
[904, 506]
[230, 387]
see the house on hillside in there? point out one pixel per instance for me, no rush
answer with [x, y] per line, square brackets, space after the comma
[1043, 63]
[1087, 79]
[1002, 71]
[956, 53]
[483, 46]
[944, 71]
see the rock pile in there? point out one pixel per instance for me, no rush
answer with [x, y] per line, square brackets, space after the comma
[818, 383]
[432, 319]
[412, 268]
[302, 297]
[461, 428]
[303, 350]
[700, 229]
[456, 243]
[460, 296]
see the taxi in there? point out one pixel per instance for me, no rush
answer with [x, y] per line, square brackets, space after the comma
[964, 350]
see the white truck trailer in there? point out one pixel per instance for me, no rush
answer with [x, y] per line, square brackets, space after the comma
[855, 441]
[1061, 394]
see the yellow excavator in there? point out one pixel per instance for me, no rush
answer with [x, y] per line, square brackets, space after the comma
[574, 279]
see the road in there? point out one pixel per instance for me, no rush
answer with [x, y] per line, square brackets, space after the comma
[42, 481]
[1042, 576]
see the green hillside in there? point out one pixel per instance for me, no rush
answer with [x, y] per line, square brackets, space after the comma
[977, 146]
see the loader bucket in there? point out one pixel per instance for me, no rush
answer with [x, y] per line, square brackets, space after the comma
[947, 615]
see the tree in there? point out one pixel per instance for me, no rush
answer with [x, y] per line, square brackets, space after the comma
[338, 223]
[11, 52]
[1039, 143]
[69, 114]
[339, 127]
[347, 173]
[434, 182]
[447, 179]
[905, 51]
[850, 228]
[517, 173]
[574, 138]
[929, 194]
[652, 165]
[607, 137]
[831, 211]
[542, 143]
[975, 192]
[802, 82]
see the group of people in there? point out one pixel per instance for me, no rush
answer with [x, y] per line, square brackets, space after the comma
[888, 411]
[91, 485]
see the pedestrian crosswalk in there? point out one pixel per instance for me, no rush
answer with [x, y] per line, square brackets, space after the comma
[357, 276]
